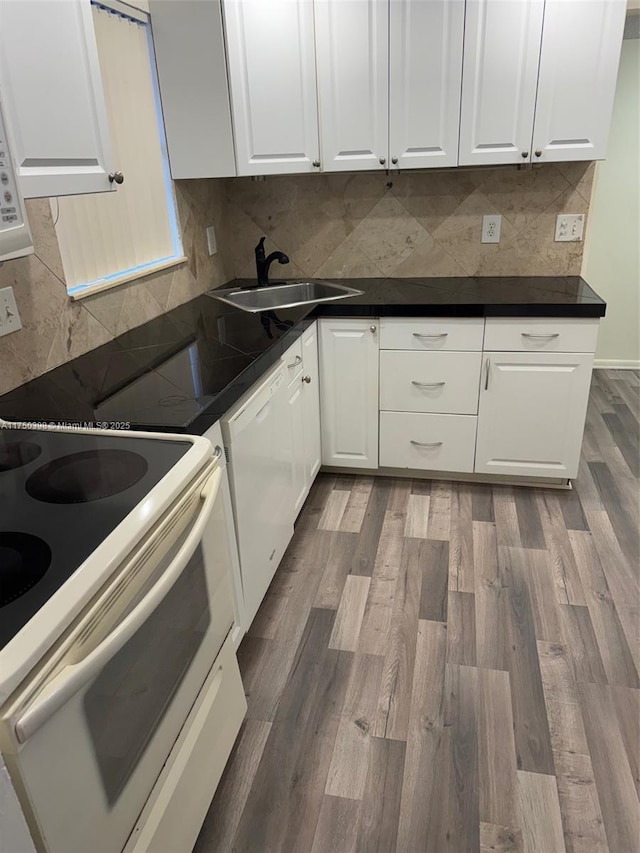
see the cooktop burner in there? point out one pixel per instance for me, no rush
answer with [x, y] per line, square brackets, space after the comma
[23, 561]
[87, 476]
[15, 454]
[62, 493]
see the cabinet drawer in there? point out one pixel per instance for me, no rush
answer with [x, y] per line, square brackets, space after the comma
[432, 333]
[541, 334]
[427, 442]
[445, 382]
[293, 361]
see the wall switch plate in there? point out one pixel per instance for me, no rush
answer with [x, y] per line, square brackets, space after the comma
[569, 227]
[9, 317]
[211, 240]
[491, 228]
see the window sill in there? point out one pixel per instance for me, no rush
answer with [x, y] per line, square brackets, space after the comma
[80, 291]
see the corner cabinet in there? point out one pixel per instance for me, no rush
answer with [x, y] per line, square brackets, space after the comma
[272, 71]
[349, 392]
[55, 105]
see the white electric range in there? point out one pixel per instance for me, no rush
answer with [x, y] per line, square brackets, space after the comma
[116, 660]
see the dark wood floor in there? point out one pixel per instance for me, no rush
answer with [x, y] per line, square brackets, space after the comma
[443, 667]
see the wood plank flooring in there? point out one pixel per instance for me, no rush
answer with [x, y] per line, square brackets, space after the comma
[450, 668]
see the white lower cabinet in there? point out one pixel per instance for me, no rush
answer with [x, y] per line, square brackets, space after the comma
[311, 404]
[297, 445]
[349, 392]
[532, 413]
[427, 442]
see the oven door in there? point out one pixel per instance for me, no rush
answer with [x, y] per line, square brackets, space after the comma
[86, 741]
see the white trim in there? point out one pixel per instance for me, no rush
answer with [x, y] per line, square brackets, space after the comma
[616, 364]
[99, 286]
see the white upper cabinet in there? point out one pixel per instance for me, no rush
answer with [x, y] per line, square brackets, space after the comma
[54, 100]
[271, 59]
[499, 80]
[425, 70]
[352, 56]
[578, 70]
[188, 40]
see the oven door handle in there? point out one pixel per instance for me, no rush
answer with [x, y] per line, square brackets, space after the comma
[71, 678]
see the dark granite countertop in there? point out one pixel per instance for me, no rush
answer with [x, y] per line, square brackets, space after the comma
[182, 371]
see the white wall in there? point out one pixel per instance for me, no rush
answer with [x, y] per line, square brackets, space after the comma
[611, 262]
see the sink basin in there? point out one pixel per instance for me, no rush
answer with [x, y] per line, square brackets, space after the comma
[255, 299]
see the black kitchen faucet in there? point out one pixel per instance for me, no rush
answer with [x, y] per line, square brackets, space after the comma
[263, 263]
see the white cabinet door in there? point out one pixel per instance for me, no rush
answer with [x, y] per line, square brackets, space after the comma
[297, 446]
[349, 392]
[352, 56]
[499, 80]
[271, 57]
[581, 44]
[425, 68]
[532, 413]
[188, 42]
[311, 403]
[55, 104]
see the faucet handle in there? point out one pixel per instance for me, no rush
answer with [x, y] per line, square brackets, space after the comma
[259, 250]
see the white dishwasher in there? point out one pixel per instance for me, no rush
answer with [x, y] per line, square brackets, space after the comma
[256, 435]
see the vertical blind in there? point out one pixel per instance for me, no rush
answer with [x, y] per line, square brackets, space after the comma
[110, 237]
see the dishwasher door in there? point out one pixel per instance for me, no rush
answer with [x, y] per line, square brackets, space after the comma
[261, 476]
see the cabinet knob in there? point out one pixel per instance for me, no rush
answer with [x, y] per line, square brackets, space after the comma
[524, 155]
[373, 329]
[538, 152]
[382, 161]
[394, 160]
[306, 379]
[316, 164]
[116, 178]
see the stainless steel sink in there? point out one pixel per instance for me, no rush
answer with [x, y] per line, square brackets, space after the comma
[271, 296]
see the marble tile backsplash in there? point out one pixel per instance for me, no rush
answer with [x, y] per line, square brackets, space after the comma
[55, 329]
[333, 226]
[410, 224]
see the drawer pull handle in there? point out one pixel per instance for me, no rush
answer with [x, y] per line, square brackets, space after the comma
[440, 335]
[529, 335]
[486, 381]
[426, 443]
[427, 384]
[297, 360]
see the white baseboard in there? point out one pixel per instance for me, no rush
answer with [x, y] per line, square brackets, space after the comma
[616, 364]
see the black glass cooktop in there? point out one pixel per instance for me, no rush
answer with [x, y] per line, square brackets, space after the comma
[61, 495]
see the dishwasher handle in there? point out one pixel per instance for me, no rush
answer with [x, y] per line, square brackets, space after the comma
[57, 692]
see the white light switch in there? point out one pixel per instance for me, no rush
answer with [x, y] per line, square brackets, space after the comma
[491, 228]
[569, 227]
[9, 317]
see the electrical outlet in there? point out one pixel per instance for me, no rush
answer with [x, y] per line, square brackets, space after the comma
[211, 240]
[569, 227]
[491, 228]
[9, 317]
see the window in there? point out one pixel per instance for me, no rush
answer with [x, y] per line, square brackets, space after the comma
[110, 238]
